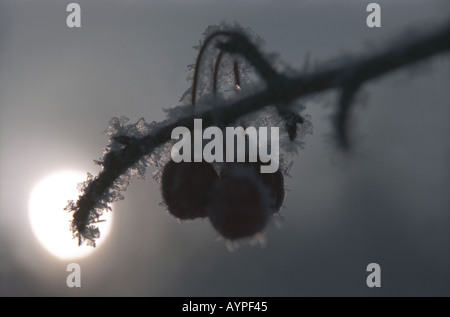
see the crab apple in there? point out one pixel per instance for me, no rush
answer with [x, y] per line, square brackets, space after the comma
[238, 206]
[186, 187]
[273, 181]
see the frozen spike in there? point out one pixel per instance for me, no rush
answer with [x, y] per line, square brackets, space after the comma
[123, 120]
[288, 168]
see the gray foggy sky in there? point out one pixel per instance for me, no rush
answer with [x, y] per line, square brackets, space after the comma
[59, 87]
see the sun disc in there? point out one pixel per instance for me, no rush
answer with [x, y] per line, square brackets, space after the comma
[51, 223]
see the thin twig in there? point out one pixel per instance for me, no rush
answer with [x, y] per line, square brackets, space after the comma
[237, 80]
[199, 58]
[216, 71]
[280, 90]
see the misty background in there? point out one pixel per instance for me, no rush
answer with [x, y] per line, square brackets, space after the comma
[59, 87]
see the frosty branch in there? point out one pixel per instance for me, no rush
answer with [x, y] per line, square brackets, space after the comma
[279, 91]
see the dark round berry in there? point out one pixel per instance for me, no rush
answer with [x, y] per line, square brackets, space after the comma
[273, 181]
[186, 187]
[238, 205]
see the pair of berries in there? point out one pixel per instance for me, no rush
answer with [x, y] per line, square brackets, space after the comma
[238, 202]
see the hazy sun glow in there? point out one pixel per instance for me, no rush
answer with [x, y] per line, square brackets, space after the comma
[51, 223]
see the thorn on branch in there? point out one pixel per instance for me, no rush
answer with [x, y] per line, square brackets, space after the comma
[342, 117]
[291, 119]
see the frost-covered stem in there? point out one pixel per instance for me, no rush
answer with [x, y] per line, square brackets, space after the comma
[199, 59]
[237, 80]
[280, 91]
[216, 72]
[239, 44]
